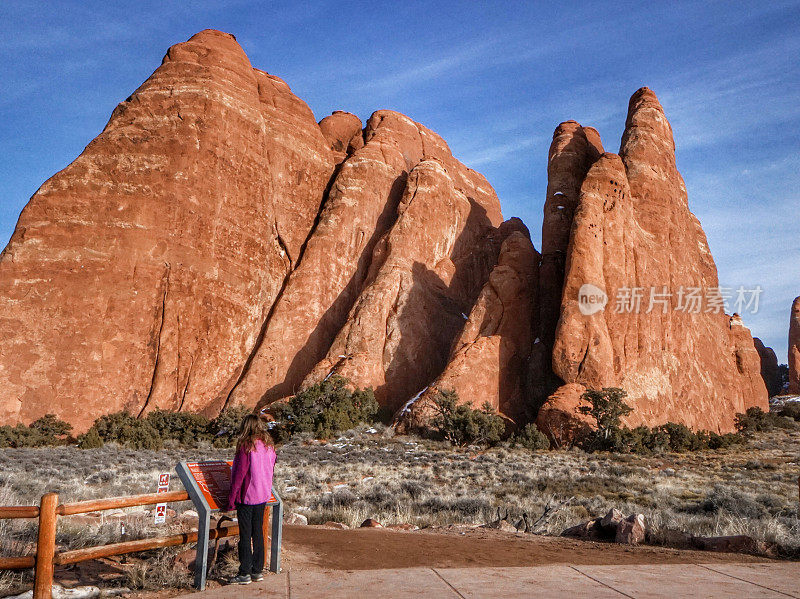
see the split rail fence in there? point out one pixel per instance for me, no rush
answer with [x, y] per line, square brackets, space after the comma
[47, 512]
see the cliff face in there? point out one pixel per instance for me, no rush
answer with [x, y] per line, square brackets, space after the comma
[216, 246]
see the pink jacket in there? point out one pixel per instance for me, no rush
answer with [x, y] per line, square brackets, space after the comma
[251, 478]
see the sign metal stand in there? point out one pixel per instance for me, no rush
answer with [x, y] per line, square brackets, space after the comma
[208, 484]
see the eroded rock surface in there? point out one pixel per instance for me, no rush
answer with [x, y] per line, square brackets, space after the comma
[425, 275]
[139, 276]
[488, 361]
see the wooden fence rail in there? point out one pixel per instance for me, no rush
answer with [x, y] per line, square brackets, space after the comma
[48, 512]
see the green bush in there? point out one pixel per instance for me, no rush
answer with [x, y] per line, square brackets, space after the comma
[327, 408]
[680, 438]
[184, 427]
[531, 438]
[462, 425]
[716, 441]
[224, 429]
[48, 430]
[756, 420]
[126, 430]
[91, 439]
[607, 408]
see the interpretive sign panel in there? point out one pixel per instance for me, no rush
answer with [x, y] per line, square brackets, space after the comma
[214, 479]
[208, 484]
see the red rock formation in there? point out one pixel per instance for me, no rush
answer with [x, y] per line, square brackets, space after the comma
[769, 367]
[573, 150]
[208, 246]
[487, 362]
[445, 235]
[794, 347]
[343, 132]
[633, 229]
[140, 275]
[425, 274]
[214, 245]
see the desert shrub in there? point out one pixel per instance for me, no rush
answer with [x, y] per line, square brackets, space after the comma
[91, 439]
[327, 408]
[680, 437]
[791, 410]
[640, 440]
[224, 429]
[124, 429]
[607, 407]
[462, 425]
[733, 501]
[158, 570]
[756, 420]
[531, 438]
[48, 430]
[183, 427]
[717, 441]
[50, 426]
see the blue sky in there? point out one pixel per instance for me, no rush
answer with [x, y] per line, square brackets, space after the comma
[494, 79]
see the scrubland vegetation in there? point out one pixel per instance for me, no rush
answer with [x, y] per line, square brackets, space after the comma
[681, 480]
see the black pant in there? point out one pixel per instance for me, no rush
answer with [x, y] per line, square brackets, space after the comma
[251, 538]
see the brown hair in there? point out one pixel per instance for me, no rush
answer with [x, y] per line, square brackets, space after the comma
[252, 430]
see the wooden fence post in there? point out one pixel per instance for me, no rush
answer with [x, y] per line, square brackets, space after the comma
[45, 547]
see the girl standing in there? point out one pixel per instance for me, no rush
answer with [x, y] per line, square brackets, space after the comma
[251, 487]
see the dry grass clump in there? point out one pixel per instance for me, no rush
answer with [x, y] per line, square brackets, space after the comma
[158, 569]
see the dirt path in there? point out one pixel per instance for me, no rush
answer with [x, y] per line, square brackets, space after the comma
[315, 547]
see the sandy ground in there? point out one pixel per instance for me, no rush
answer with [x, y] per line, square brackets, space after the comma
[322, 549]
[316, 547]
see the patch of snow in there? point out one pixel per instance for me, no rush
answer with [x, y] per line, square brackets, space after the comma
[411, 401]
[560, 207]
[465, 316]
[558, 193]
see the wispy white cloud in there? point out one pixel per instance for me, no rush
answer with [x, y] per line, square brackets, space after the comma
[494, 153]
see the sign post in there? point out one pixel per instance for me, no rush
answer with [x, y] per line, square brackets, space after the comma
[208, 484]
[161, 508]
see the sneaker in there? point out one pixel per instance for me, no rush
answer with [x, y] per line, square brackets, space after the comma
[257, 577]
[241, 579]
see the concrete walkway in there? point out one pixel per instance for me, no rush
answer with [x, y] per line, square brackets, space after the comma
[740, 581]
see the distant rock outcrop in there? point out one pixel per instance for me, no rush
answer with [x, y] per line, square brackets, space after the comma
[794, 347]
[769, 367]
[216, 246]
